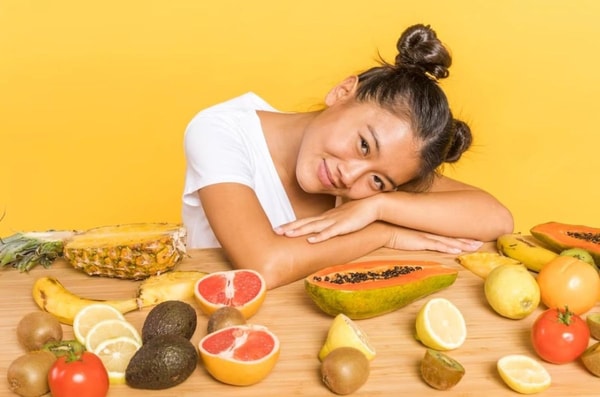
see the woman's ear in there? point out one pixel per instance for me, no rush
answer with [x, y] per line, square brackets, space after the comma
[344, 90]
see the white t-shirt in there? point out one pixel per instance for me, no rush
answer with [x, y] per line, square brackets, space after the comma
[226, 143]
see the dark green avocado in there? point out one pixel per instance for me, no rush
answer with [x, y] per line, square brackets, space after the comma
[170, 317]
[163, 362]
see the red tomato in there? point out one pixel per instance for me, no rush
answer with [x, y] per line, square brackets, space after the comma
[568, 281]
[560, 336]
[77, 376]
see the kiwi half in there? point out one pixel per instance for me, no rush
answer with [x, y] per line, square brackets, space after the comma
[440, 371]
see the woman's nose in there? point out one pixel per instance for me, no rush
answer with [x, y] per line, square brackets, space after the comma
[349, 173]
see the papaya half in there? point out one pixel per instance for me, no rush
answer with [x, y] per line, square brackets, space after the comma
[372, 288]
[561, 236]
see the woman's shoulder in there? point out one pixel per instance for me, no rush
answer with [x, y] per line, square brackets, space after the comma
[246, 102]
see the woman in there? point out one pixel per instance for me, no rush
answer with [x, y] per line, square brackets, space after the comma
[264, 184]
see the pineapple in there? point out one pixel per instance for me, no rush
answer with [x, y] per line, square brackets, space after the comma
[131, 251]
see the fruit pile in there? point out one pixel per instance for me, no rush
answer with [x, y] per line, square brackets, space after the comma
[552, 267]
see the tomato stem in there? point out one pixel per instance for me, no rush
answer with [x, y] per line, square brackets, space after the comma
[564, 317]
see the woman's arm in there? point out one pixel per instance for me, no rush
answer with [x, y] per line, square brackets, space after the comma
[249, 241]
[450, 208]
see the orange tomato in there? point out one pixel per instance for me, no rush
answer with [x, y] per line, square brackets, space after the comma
[568, 281]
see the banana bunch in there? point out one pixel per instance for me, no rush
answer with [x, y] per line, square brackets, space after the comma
[525, 249]
[51, 296]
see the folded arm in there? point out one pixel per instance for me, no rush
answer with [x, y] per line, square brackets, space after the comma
[249, 241]
[450, 208]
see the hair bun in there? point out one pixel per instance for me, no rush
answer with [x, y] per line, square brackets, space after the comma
[461, 141]
[419, 46]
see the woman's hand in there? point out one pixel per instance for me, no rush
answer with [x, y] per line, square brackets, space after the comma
[346, 218]
[415, 240]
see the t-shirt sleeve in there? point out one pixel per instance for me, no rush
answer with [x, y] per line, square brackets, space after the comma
[215, 152]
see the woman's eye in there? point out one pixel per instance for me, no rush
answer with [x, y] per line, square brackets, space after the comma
[364, 146]
[379, 184]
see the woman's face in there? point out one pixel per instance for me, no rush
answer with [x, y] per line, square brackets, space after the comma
[356, 150]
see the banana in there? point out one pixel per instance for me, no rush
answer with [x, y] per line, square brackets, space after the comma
[525, 249]
[51, 296]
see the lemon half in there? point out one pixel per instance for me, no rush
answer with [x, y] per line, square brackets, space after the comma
[440, 325]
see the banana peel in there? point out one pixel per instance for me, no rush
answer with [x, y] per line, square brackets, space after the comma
[482, 263]
[53, 297]
[525, 249]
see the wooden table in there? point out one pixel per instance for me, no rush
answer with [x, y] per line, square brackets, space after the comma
[302, 328]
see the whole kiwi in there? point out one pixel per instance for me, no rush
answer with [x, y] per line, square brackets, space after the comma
[224, 317]
[27, 375]
[344, 370]
[591, 358]
[35, 329]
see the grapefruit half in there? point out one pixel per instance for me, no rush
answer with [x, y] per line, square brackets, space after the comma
[240, 355]
[243, 289]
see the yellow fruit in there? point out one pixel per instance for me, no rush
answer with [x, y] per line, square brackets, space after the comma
[512, 291]
[482, 263]
[344, 332]
[90, 315]
[523, 374]
[440, 325]
[109, 329]
[133, 251]
[115, 354]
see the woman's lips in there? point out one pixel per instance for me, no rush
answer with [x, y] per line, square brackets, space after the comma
[324, 176]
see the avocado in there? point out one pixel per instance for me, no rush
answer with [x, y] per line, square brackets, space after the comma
[164, 361]
[170, 317]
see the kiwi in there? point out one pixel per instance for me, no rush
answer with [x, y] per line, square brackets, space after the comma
[28, 374]
[440, 371]
[344, 370]
[224, 317]
[36, 329]
[591, 359]
[580, 254]
[171, 317]
[593, 322]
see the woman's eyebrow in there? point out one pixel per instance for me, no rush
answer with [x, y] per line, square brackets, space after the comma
[373, 133]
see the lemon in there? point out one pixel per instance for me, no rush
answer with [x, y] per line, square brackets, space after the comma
[512, 291]
[115, 354]
[523, 374]
[91, 315]
[109, 329]
[440, 325]
[344, 332]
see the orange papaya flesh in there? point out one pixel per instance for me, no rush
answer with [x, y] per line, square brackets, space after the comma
[561, 236]
[367, 289]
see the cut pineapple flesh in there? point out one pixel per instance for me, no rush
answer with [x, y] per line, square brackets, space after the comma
[131, 251]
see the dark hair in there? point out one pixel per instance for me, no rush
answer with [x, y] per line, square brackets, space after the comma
[409, 88]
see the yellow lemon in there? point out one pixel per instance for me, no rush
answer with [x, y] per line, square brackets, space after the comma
[440, 325]
[523, 374]
[512, 291]
[91, 315]
[115, 354]
[344, 332]
[109, 329]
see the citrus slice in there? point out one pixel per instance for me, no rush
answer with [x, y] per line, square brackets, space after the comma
[440, 325]
[240, 355]
[344, 332]
[115, 354]
[243, 289]
[91, 315]
[109, 329]
[523, 374]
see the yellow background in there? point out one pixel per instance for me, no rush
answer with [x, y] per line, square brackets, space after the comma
[95, 96]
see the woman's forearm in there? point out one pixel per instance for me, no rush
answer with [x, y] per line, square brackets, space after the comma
[469, 213]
